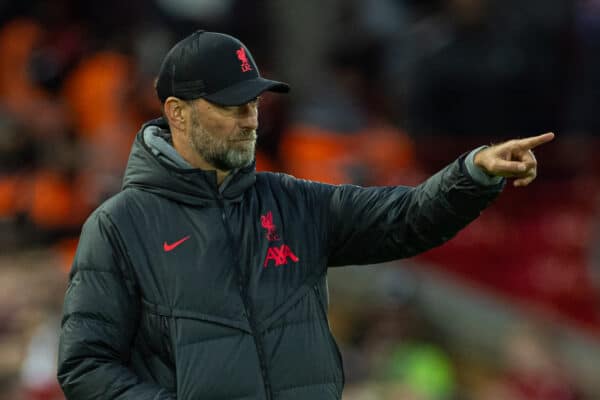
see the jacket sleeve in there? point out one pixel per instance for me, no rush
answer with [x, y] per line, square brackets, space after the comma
[100, 317]
[372, 225]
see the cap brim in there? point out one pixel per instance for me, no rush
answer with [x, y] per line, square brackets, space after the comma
[245, 91]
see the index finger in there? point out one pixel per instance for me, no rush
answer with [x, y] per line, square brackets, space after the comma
[534, 141]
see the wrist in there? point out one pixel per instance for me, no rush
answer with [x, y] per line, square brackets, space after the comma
[478, 156]
[476, 169]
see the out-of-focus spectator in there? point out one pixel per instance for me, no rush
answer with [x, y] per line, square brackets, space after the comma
[420, 371]
[402, 358]
[336, 137]
[199, 9]
[501, 70]
[582, 113]
[19, 94]
[31, 285]
[38, 375]
[37, 186]
[533, 370]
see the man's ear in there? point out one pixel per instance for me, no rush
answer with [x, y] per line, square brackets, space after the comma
[176, 111]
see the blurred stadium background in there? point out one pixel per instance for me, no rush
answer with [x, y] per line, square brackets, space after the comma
[384, 92]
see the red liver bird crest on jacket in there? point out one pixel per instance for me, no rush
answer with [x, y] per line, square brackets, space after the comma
[267, 222]
[279, 254]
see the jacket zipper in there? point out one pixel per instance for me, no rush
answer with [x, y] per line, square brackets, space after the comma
[243, 282]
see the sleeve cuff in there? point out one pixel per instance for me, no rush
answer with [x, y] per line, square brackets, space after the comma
[477, 173]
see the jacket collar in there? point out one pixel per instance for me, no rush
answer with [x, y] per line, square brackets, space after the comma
[156, 167]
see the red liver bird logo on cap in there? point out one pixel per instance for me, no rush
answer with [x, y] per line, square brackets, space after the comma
[241, 55]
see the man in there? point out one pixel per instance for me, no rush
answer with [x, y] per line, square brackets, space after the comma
[203, 279]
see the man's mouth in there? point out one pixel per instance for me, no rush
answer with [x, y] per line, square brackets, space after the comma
[245, 139]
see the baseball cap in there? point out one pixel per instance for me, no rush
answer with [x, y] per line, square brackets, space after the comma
[213, 66]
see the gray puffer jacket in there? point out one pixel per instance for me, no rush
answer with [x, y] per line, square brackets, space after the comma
[181, 289]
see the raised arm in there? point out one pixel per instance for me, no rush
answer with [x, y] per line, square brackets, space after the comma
[371, 225]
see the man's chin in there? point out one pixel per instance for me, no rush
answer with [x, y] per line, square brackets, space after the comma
[231, 163]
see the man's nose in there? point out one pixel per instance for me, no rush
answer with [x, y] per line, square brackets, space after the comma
[249, 117]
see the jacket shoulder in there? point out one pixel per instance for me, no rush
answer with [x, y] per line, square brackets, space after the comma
[104, 234]
[121, 204]
[291, 183]
[267, 176]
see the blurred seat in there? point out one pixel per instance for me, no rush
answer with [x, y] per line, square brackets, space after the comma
[531, 245]
[376, 155]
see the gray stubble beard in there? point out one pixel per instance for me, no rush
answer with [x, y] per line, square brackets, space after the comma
[217, 151]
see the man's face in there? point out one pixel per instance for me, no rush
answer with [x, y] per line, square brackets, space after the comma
[225, 137]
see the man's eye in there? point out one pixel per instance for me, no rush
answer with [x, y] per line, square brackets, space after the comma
[230, 109]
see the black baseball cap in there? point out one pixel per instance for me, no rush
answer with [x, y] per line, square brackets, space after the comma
[215, 67]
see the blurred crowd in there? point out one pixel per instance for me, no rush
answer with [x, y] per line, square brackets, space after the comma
[403, 359]
[383, 93]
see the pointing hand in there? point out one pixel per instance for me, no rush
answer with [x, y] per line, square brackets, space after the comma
[512, 159]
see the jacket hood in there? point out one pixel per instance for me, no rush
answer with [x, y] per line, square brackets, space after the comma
[155, 166]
